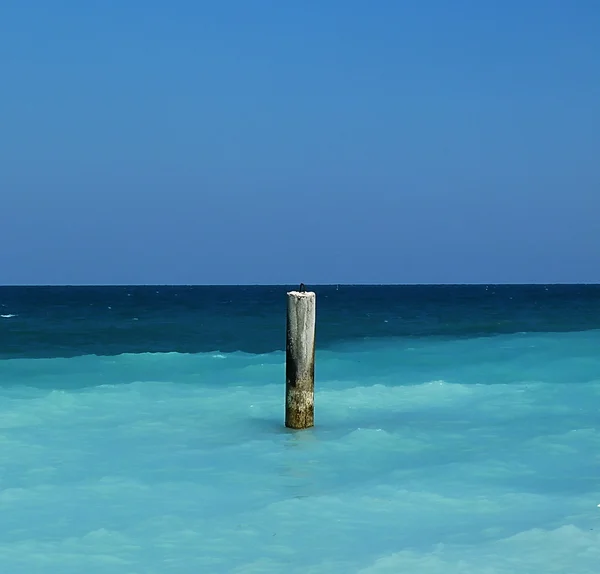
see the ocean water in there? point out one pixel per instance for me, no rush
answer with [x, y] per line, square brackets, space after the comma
[457, 432]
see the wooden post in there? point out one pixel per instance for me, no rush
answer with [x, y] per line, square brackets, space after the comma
[300, 360]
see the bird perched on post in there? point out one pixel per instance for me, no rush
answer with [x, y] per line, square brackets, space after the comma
[302, 288]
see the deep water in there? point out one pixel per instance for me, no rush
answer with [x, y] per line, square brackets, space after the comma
[141, 431]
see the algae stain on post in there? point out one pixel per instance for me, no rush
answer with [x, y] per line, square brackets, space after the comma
[300, 360]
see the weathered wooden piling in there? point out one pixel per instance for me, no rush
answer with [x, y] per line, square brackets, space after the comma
[300, 360]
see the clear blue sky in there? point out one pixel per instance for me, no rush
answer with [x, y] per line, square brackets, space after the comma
[317, 140]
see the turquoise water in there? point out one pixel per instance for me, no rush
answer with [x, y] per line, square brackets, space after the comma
[141, 431]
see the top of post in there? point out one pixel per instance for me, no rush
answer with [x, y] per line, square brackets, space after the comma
[302, 292]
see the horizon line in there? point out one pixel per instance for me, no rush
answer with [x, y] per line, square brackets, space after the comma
[464, 284]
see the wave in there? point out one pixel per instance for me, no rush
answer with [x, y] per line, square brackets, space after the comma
[567, 358]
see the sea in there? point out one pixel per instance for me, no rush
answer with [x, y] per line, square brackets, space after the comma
[457, 431]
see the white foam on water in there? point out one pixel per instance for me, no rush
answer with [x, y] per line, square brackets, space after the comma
[180, 463]
[8, 316]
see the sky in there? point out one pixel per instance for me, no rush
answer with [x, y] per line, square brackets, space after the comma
[321, 141]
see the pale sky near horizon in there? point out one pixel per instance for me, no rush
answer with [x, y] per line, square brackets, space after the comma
[317, 141]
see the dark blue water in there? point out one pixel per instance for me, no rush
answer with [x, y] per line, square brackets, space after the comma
[71, 321]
